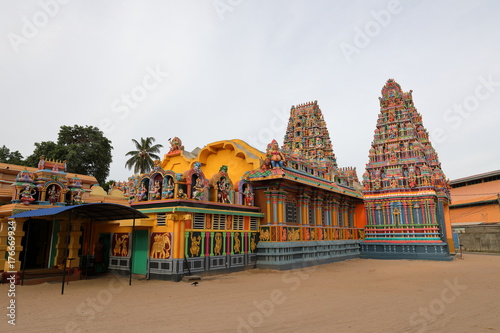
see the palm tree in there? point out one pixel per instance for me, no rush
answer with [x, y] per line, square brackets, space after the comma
[142, 158]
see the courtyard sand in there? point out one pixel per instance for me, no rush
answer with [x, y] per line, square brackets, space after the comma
[350, 296]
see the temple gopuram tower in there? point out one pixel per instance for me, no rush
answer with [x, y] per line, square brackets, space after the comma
[313, 210]
[406, 193]
[307, 135]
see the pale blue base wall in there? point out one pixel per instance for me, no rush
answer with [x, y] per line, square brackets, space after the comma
[291, 255]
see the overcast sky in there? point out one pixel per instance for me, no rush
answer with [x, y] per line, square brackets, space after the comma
[212, 70]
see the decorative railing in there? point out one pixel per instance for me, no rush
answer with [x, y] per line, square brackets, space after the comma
[422, 232]
[279, 233]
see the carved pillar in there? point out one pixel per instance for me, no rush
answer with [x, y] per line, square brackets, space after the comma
[335, 213]
[269, 211]
[432, 209]
[304, 212]
[61, 242]
[74, 243]
[319, 210]
[179, 222]
[299, 209]
[328, 212]
[281, 196]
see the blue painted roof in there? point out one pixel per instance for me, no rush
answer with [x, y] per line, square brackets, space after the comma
[95, 211]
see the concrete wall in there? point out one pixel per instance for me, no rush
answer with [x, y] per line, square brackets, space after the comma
[481, 239]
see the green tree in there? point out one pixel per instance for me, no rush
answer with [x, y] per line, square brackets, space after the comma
[88, 151]
[85, 148]
[142, 157]
[48, 149]
[14, 157]
[108, 184]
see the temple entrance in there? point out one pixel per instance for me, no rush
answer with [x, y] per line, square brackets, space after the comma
[140, 253]
[101, 253]
[39, 244]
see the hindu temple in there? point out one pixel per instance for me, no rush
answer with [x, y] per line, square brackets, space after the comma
[229, 206]
[406, 193]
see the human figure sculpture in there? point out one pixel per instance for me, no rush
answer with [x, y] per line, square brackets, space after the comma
[53, 194]
[170, 189]
[156, 192]
[41, 163]
[143, 193]
[27, 195]
[275, 155]
[223, 195]
[198, 189]
[77, 197]
[181, 194]
[175, 145]
[247, 193]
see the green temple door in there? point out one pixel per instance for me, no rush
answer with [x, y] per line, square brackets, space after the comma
[140, 253]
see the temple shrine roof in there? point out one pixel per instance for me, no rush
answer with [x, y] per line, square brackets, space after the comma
[401, 156]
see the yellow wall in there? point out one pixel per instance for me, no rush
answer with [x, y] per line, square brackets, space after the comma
[236, 154]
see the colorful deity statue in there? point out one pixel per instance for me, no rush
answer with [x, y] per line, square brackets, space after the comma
[143, 193]
[41, 163]
[27, 194]
[157, 164]
[78, 197]
[53, 194]
[275, 156]
[248, 194]
[156, 191]
[223, 187]
[169, 193]
[198, 189]
[175, 145]
[131, 195]
[181, 194]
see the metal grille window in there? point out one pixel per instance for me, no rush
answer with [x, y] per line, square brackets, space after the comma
[161, 219]
[199, 221]
[312, 220]
[238, 222]
[291, 212]
[219, 222]
[254, 223]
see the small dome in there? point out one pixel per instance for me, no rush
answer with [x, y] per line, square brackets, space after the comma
[25, 176]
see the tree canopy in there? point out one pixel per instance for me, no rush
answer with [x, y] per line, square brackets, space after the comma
[142, 158]
[85, 148]
[14, 157]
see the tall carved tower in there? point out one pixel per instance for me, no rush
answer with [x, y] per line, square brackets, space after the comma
[307, 135]
[406, 193]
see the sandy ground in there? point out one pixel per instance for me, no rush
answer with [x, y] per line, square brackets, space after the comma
[351, 296]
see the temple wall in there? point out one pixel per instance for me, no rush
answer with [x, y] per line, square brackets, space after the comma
[480, 239]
